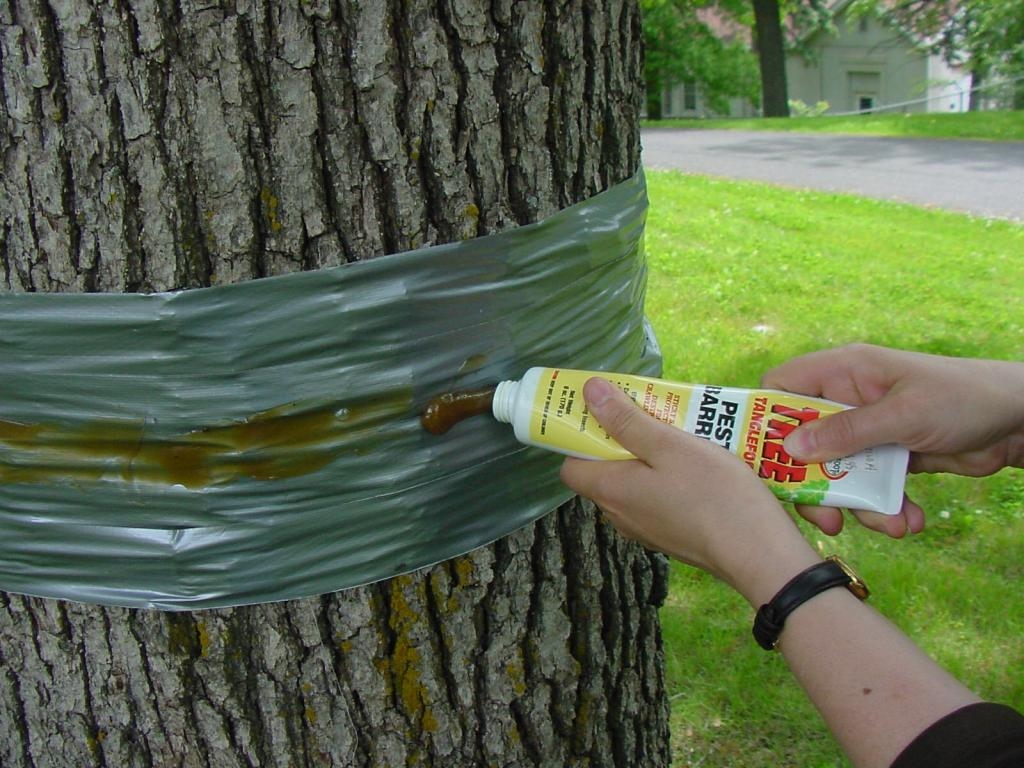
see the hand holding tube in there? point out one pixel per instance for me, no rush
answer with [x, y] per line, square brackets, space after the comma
[955, 415]
[689, 498]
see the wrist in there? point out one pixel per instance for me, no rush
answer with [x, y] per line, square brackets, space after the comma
[776, 577]
[807, 585]
[755, 546]
[763, 570]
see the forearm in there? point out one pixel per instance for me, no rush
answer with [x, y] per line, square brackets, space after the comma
[874, 688]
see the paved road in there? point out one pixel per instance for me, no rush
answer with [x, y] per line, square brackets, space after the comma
[978, 177]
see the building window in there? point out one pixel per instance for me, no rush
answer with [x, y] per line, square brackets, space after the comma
[690, 96]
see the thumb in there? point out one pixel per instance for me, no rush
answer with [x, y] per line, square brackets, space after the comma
[841, 434]
[620, 417]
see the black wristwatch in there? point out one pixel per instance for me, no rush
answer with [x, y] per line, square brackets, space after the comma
[771, 616]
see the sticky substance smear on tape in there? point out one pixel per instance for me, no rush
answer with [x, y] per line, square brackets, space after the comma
[546, 409]
[259, 441]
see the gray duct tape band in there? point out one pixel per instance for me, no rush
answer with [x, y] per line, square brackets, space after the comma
[260, 441]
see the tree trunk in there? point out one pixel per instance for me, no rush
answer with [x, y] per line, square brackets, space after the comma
[151, 145]
[771, 53]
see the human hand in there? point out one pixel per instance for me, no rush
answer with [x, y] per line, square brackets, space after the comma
[955, 415]
[688, 498]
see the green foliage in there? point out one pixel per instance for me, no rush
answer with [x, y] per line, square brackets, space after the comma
[683, 45]
[806, 17]
[680, 47]
[797, 108]
[742, 277]
[987, 36]
[994, 39]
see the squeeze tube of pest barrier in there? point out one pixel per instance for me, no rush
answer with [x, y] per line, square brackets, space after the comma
[260, 441]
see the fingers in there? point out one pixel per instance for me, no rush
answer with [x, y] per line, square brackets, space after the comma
[628, 425]
[893, 526]
[627, 493]
[859, 375]
[914, 515]
[625, 485]
[606, 482]
[851, 374]
[957, 415]
[979, 463]
[625, 421]
[829, 520]
[846, 432]
[807, 374]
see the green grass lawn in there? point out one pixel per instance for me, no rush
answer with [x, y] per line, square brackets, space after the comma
[744, 276]
[995, 126]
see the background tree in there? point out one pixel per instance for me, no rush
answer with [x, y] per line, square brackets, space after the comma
[771, 53]
[984, 36]
[729, 48]
[682, 47]
[779, 29]
[149, 145]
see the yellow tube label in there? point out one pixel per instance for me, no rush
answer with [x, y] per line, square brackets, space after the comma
[750, 423]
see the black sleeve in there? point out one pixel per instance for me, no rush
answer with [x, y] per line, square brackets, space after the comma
[980, 736]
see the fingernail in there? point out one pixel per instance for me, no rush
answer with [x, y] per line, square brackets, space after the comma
[800, 442]
[597, 391]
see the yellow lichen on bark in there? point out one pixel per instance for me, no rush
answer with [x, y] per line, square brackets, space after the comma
[404, 663]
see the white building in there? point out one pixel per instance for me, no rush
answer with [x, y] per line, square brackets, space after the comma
[864, 66]
[867, 66]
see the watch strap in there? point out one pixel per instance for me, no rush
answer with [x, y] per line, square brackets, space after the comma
[771, 616]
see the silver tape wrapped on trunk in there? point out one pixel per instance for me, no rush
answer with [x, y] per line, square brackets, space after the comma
[260, 441]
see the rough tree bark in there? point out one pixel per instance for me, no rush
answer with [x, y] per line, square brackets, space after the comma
[150, 145]
[771, 54]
